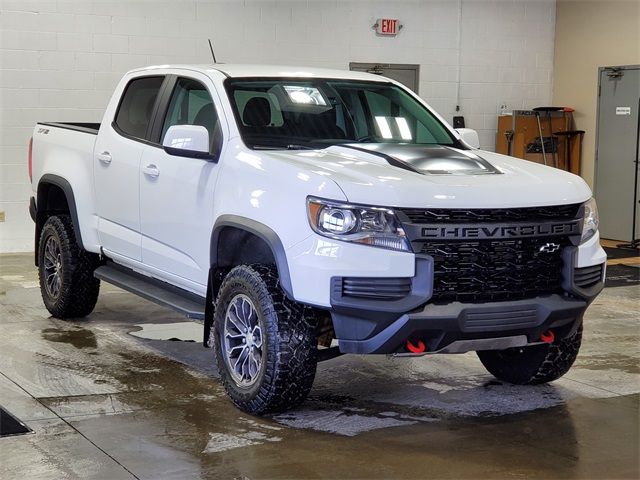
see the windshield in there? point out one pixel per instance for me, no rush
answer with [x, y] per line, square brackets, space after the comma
[292, 113]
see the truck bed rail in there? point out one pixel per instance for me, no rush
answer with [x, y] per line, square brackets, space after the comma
[91, 128]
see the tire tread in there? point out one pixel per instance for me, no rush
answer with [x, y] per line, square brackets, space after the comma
[535, 364]
[80, 289]
[289, 377]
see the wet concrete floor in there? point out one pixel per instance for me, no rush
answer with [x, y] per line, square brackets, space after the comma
[104, 403]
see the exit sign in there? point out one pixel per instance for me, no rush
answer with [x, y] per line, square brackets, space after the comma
[388, 26]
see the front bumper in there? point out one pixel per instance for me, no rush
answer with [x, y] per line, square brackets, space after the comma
[368, 326]
[439, 326]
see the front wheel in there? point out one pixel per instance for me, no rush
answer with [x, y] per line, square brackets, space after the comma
[535, 364]
[265, 344]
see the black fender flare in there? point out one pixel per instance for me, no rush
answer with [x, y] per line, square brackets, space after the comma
[261, 231]
[66, 188]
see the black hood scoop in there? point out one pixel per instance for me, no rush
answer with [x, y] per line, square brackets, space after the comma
[429, 159]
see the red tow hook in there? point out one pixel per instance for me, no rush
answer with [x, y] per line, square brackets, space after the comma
[548, 336]
[419, 348]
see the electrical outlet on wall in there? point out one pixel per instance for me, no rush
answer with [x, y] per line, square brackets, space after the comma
[503, 108]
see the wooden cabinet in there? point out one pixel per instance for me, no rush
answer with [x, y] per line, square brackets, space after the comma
[561, 150]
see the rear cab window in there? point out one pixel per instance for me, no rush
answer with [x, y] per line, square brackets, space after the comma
[136, 106]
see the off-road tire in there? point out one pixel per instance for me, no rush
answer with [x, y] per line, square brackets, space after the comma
[289, 342]
[79, 289]
[535, 364]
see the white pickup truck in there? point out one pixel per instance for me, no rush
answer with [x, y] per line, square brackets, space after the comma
[303, 213]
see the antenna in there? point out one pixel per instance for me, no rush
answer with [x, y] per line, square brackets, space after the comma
[212, 54]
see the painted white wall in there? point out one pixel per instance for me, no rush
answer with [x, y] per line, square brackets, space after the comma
[590, 35]
[60, 60]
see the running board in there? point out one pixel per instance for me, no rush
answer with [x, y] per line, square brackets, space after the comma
[187, 303]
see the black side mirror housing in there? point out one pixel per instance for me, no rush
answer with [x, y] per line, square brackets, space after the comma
[180, 152]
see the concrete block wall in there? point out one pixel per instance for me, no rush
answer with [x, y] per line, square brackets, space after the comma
[60, 60]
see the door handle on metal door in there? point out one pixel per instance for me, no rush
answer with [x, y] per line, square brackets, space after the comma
[151, 170]
[104, 157]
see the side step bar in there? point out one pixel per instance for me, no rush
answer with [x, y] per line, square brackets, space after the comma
[187, 303]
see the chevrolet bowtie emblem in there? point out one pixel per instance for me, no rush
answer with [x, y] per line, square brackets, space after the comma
[549, 248]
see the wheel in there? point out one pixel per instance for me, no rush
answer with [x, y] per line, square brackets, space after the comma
[265, 344]
[534, 364]
[67, 284]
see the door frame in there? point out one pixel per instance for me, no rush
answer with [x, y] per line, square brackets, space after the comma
[396, 66]
[634, 233]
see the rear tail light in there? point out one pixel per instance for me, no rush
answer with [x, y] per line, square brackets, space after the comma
[31, 159]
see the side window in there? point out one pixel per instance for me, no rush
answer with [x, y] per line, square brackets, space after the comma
[136, 106]
[191, 104]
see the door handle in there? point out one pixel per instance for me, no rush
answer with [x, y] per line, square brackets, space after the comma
[151, 170]
[104, 157]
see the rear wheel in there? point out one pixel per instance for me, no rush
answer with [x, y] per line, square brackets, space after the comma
[535, 364]
[67, 284]
[264, 343]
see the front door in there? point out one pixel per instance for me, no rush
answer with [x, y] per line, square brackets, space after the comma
[176, 193]
[616, 183]
[117, 156]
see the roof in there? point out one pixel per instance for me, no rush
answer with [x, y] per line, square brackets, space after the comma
[241, 70]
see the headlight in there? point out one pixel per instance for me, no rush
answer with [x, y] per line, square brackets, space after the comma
[590, 220]
[375, 226]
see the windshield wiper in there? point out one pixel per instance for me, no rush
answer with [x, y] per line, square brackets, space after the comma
[292, 146]
[266, 147]
[295, 146]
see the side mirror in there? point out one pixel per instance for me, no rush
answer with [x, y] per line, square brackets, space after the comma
[187, 141]
[469, 136]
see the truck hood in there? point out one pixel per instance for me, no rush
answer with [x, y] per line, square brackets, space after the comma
[437, 176]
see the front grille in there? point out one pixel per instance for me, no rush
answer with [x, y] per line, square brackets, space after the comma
[376, 288]
[587, 276]
[492, 215]
[495, 270]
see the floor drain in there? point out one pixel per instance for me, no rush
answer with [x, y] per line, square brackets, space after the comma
[10, 425]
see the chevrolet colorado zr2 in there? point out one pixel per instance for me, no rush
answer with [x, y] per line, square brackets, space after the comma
[303, 213]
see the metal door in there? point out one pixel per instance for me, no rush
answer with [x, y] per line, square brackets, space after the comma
[408, 75]
[176, 193]
[616, 182]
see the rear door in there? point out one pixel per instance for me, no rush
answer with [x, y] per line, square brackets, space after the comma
[117, 155]
[176, 193]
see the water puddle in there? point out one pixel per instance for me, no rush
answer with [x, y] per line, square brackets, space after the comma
[220, 442]
[78, 337]
[179, 331]
[340, 422]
